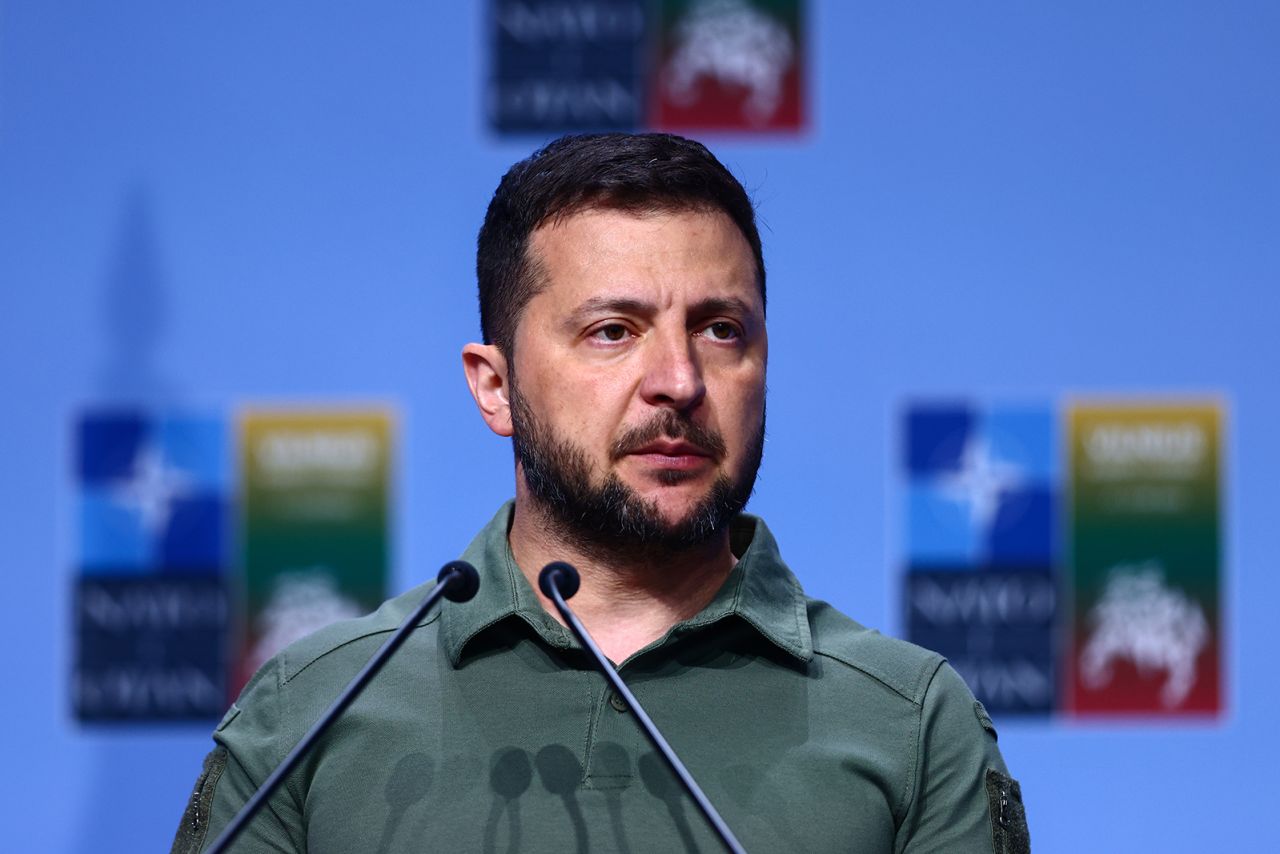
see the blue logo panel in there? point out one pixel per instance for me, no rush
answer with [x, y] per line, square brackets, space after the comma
[151, 599]
[982, 546]
[153, 493]
[980, 486]
[995, 627]
[150, 649]
[560, 66]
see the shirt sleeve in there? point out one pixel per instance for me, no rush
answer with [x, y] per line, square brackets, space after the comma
[248, 748]
[964, 799]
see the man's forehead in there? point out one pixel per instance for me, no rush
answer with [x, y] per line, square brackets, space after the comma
[639, 208]
[600, 217]
[602, 254]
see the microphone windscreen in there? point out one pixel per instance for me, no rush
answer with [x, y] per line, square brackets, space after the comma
[561, 576]
[460, 580]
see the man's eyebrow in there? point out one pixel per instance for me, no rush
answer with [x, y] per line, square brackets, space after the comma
[734, 306]
[610, 305]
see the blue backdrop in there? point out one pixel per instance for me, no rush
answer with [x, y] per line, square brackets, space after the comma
[223, 203]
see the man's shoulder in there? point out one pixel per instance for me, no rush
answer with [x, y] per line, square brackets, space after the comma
[904, 668]
[355, 638]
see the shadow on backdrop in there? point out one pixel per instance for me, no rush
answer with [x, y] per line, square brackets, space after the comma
[135, 310]
[133, 305]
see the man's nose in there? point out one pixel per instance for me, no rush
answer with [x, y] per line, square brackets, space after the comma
[673, 374]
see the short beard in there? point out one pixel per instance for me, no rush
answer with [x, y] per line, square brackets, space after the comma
[610, 521]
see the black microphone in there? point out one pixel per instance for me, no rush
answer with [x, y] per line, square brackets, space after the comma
[458, 581]
[558, 581]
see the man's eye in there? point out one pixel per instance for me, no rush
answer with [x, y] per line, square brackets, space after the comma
[722, 331]
[611, 332]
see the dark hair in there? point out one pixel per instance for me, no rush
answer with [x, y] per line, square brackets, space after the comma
[640, 172]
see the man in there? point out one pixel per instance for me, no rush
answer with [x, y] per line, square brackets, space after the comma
[622, 300]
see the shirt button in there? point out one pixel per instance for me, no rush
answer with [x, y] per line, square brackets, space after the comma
[617, 702]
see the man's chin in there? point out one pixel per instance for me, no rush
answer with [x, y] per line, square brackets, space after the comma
[674, 505]
[680, 509]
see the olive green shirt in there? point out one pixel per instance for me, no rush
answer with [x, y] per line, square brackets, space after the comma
[491, 731]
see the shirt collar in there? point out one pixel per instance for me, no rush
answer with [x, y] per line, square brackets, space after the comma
[504, 592]
[760, 590]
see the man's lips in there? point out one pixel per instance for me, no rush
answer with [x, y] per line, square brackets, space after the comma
[671, 448]
[672, 454]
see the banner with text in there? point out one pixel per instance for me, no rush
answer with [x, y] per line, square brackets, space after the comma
[315, 524]
[982, 547]
[1146, 545]
[1080, 575]
[150, 602]
[624, 65]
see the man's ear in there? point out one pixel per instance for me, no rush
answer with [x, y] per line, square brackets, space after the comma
[486, 370]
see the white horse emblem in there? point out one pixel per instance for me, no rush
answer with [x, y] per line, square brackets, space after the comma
[730, 41]
[1155, 626]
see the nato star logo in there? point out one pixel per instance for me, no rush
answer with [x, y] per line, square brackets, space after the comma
[151, 489]
[979, 486]
[981, 546]
[153, 493]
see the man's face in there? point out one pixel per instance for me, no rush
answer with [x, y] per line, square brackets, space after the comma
[638, 386]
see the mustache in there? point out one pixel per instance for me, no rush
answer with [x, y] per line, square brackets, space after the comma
[669, 425]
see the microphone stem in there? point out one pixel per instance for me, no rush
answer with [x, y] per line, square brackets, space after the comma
[647, 725]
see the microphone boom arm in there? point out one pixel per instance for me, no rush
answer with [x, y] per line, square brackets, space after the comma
[549, 581]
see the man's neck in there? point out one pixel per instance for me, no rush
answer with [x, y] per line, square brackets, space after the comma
[624, 602]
